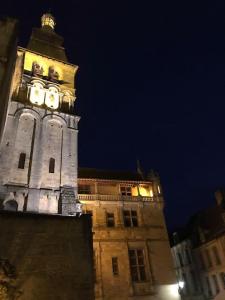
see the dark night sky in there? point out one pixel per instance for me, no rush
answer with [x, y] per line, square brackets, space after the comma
[150, 86]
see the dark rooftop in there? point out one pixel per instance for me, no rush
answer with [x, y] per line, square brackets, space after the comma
[203, 226]
[110, 175]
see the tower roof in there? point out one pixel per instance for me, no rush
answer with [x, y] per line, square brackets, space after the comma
[46, 41]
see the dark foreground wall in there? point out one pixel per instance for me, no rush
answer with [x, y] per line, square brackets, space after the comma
[45, 257]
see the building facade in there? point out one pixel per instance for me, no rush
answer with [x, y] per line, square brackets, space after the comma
[38, 151]
[131, 250]
[39, 174]
[202, 272]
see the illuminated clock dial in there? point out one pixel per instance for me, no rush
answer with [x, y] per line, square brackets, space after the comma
[37, 94]
[52, 98]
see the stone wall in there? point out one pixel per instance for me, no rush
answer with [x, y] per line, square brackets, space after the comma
[51, 256]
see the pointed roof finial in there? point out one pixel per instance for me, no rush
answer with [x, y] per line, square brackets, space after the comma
[48, 21]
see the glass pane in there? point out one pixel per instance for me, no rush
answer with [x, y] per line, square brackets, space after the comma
[126, 213]
[134, 221]
[133, 261]
[134, 273]
[142, 273]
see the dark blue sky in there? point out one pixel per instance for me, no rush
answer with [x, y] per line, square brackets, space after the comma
[150, 86]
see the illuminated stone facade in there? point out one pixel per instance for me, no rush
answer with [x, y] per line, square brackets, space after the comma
[132, 254]
[38, 152]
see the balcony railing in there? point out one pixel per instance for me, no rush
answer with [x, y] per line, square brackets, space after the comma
[92, 197]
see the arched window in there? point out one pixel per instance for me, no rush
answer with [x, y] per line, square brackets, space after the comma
[22, 159]
[51, 165]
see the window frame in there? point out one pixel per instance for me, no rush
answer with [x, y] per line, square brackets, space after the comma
[22, 161]
[115, 266]
[51, 166]
[137, 270]
[125, 190]
[110, 219]
[130, 218]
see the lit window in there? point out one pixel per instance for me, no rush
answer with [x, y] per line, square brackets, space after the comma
[137, 265]
[110, 220]
[115, 268]
[125, 191]
[84, 189]
[130, 218]
[216, 255]
[51, 165]
[22, 159]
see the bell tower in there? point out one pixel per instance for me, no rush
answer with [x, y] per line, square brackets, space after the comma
[38, 151]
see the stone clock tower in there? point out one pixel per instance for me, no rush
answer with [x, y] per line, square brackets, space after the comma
[38, 151]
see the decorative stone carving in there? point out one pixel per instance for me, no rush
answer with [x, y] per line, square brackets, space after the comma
[37, 70]
[53, 75]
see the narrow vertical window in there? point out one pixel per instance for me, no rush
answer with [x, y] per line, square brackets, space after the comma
[115, 268]
[22, 159]
[137, 265]
[110, 220]
[51, 165]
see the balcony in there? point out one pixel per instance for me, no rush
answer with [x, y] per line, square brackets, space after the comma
[92, 197]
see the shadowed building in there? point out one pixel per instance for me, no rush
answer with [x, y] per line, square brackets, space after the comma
[132, 256]
[199, 253]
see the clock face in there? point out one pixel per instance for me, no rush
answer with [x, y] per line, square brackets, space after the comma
[52, 98]
[37, 94]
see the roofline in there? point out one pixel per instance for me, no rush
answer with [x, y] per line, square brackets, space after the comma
[114, 180]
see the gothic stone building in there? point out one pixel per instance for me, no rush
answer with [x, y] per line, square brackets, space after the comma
[38, 152]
